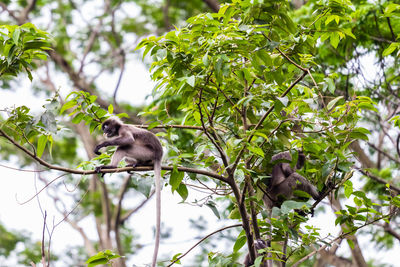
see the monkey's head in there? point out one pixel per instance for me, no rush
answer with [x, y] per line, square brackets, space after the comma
[111, 127]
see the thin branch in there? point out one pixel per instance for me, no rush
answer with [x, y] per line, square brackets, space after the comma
[21, 170]
[116, 170]
[384, 153]
[212, 4]
[122, 67]
[10, 12]
[230, 101]
[43, 234]
[240, 154]
[41, 190]
[24, 15]
[201, 240]
[215, 141]
[132, 211]
[92, 38]
[343, 235]
[380, 180]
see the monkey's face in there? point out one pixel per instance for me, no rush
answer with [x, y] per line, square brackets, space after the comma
[110, 130]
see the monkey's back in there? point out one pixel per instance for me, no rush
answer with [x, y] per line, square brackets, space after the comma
[148, 139]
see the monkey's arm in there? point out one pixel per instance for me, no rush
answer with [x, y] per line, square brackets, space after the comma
[122, 140]
[298, 182]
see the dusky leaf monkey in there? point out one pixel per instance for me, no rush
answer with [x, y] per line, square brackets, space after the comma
[258, 244]
[138, 147]
[285, 180]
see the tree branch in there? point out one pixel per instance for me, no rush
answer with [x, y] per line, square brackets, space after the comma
[201, 240]
[240, 154]
[212, 4]
[24, 15]
[380, 180]
[116, 170]
[132, 211]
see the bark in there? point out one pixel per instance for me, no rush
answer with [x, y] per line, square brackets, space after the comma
[361, 156]
[329, 258]
[212, 4]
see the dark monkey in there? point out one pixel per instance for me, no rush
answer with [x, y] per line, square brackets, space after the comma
[137, 147]
[258, 244]
[285, 180]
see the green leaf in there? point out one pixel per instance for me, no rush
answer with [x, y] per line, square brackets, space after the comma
[175, 179]
[256, 150]
[240, 242]
[391, 7]
[333, 102]
[78, 118]
[350, 243]
[110, 109]
[290, 205]
[191, 80]
[37, 45]
[348, 188]
[175, 257]
[102, 257]
[334, 39]
[182, 191]
[390, 49]
[153, 124]
[16, 35]
[41, 145]
[68, 105]
[10, 57]
[358, 135]
[284, 100]
[142, 185]
[205, 60]
[234, 214]
[257, 262]
[213, 207]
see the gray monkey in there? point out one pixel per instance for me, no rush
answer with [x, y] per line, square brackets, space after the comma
[285, 180]
[138, 147]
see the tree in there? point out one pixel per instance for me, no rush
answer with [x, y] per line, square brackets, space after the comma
[234, 88]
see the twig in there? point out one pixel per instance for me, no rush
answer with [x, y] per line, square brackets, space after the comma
[240, 154]
[21, 170]
[42, 247]
[343, 235]
[132, 211]
[201, 240]
[40, 191]
[383, 152]
[380, 180]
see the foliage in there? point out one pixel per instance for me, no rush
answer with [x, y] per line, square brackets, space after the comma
[20, 46]
[103, 257]
[233, 89]
[240, 68]
[21, 244]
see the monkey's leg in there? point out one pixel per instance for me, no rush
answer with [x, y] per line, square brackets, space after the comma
[119, 154]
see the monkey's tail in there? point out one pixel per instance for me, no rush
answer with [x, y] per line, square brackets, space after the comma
[157, 180]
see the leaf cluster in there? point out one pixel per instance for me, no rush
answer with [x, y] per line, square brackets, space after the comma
[20, 46]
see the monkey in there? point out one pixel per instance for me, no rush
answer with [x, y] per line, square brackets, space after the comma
[285, 180]
[258, 244]
[138, 147]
